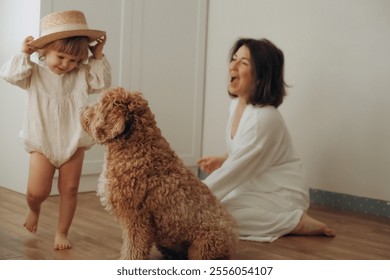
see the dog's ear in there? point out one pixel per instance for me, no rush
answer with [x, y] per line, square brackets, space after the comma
[115, 117]
[111, 117]
[109, 126]
[128, 127]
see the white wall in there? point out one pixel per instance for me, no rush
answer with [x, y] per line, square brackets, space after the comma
[338, 66]
[337, 63]
[156, 47]
[16, 24]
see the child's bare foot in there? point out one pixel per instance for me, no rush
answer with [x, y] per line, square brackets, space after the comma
[61, 242]
[309, 226]
[31, 223]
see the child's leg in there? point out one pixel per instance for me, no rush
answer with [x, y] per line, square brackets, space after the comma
[40, 178]
[68, 185]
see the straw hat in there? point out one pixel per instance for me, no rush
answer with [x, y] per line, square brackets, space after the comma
[62, 25]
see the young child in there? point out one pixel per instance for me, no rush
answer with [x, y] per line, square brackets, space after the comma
[57, 87]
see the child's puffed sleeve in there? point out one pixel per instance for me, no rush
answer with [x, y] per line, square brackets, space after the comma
[17, 70]
[99, 76]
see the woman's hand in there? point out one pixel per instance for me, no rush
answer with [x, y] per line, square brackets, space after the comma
[97, 49]
[26, 48]
[211, 163]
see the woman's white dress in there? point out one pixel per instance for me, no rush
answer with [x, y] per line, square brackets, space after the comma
[52, 117]
[262, 181]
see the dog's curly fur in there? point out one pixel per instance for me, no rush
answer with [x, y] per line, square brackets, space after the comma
[156, 199]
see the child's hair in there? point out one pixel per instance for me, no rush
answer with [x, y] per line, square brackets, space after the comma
[77, 46]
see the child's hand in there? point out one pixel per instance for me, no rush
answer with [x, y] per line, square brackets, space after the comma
[26, 48]
[97, 49]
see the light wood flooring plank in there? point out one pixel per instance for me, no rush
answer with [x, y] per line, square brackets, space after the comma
[95, 235]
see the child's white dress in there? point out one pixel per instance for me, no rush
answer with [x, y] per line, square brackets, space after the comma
[262, 181]
[52, 125]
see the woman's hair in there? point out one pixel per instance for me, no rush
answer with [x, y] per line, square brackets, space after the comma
[267, 62]
[76, 46]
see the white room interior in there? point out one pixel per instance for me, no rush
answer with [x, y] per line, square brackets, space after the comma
[337, 66]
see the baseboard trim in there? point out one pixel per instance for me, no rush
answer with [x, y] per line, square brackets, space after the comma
[380, 208]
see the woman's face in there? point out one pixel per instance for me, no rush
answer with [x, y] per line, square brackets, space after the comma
[241, 73]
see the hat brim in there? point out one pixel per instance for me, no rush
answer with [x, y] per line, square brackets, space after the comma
[44, 40]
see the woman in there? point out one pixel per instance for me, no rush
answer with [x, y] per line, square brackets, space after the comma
[260, 179]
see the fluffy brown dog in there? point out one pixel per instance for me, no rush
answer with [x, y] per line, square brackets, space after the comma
[156, 199]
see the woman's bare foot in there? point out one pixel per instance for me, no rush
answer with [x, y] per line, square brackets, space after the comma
[309, 226]
[61, 242]
[31, 223]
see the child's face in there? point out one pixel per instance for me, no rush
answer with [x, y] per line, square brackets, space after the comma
[61, 63]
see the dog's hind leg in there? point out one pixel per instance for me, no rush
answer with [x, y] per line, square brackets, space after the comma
[210, 246]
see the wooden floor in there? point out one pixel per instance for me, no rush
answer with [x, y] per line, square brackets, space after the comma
[96, 236]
